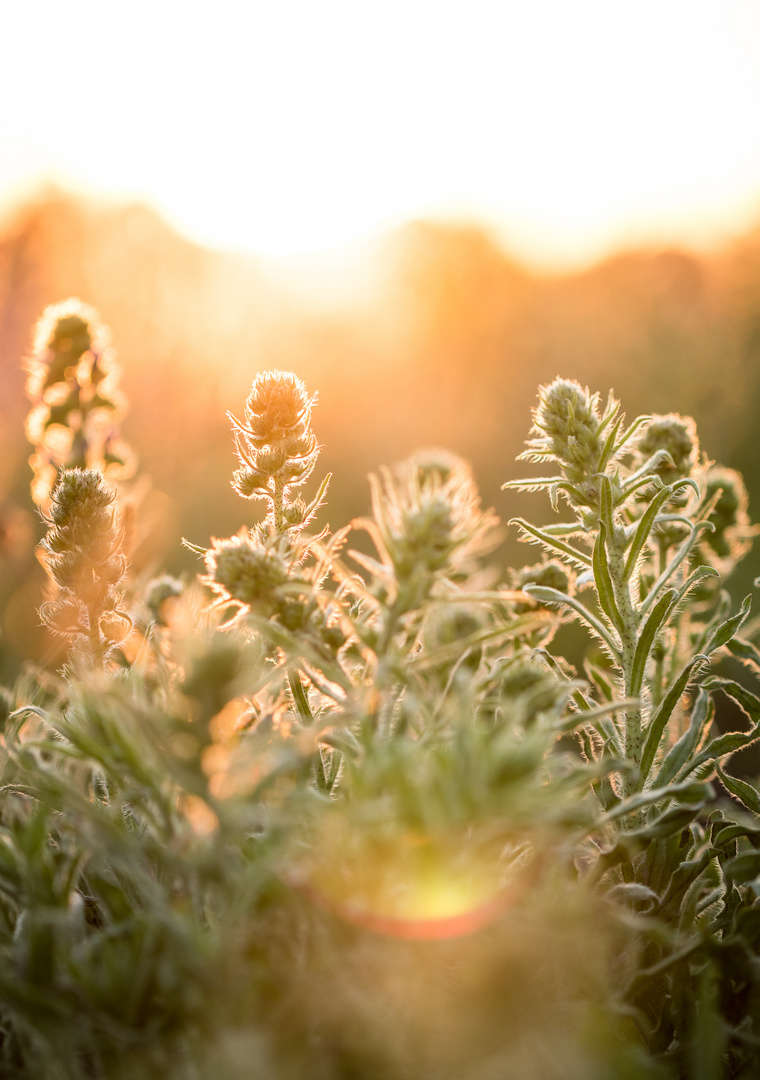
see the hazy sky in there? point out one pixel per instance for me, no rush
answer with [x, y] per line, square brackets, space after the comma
[286, 125]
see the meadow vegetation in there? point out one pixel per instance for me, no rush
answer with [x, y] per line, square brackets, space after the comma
[327, 809]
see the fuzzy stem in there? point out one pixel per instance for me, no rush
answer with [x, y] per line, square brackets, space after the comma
[278, 506]
[95, 638]
[634, 739]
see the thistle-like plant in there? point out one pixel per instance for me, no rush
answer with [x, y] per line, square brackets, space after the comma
[82, 553]
[76, 404]
[278, 451]
[634, 536]
[271, 576]
[223, 860]
[642, 516]
[260, 572]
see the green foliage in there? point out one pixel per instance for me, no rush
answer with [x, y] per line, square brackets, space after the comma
[329, 813]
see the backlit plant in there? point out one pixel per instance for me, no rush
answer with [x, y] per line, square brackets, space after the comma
[351, 813]
[76, 404]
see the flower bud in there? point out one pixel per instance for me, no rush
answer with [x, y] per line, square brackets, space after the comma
[116, 626]
[242, 570]
[276, 446]
[731, 536]
[295, 513]
[158, 592]
[550, 574]
[677, 435]
[567, 424]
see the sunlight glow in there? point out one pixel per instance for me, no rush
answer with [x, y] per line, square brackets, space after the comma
[289, 127]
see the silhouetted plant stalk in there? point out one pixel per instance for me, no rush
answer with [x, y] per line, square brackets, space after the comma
[82, 553]
[76, 404]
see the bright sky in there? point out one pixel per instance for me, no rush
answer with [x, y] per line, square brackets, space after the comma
[285, 126]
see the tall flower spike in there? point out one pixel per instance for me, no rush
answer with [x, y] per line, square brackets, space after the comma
[246, 573]
[677, 435]
[72, 377]
[568, 430]
[732, 535]
[82, 553]
[428, 518]
[277, 450]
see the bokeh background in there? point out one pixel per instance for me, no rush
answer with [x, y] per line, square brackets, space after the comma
[423, 209]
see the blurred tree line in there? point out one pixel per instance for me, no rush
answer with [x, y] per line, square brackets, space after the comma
[447, 349]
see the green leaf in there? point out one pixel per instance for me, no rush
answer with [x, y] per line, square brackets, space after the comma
[694, 578]
[745, 650]
[747, 795]
[299, 696]
[531, 483]
[726, 631]
[633, 892]
[648, 633]
[683, 876]
[603, 580]
[708, 1033]
[644, 529]
[721, 747]
[609, 444]
[601, 678]
[743, 867]
[671, 823]
[606, 503]
[678, 755]
[630, 432]
[318, 499]
[744, 698]
[564, 528]
[554, 543]
[683, 551]
[660, 719]
[599, 720]
[732, 830]
[545, 595]
[694, 792]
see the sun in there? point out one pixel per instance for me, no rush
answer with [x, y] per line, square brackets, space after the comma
[291, 128]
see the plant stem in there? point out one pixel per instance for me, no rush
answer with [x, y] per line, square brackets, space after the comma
[634, 739]
[278, 506]
[95, 638]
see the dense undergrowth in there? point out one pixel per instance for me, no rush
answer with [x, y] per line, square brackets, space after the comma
[329, 813]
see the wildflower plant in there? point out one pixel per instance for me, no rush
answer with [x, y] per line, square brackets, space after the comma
[343, 801]
[76, 403]
[82, 553]
[277, 451]
[641, 514]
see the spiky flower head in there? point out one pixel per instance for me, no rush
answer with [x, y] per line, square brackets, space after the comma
[732, 534]
[532, 682]
[429, 521]
[550, 574]
[82, 553]
[277, 449]
[246, 572]
[568, 429]
[72, 382]
[276, 441]
[159, 591]
[677, 436]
